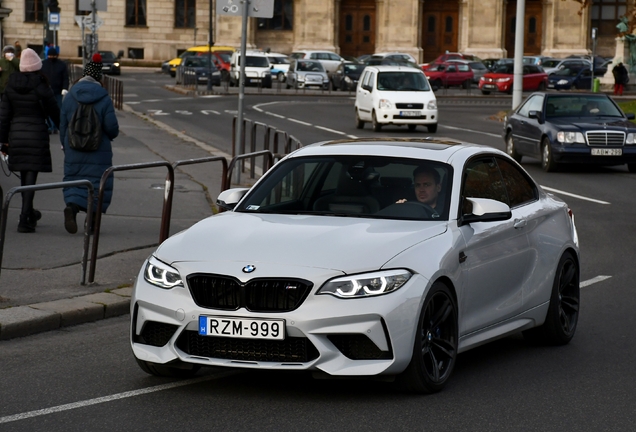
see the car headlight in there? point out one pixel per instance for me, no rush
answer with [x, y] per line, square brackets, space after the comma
[116, 64]
[347, 79]
[562, 82]
[366, 285]
[385, 104]
[161, 275]
[300, 78]
[432, 105]
[631, 138]
[570, 137]
[503, 79]
[482, 79]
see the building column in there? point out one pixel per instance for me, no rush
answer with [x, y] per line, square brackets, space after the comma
[481, 30]
[315, 25]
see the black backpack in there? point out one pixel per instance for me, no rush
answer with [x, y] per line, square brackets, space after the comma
[84, 129]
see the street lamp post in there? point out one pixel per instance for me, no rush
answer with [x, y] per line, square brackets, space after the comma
[210, 43]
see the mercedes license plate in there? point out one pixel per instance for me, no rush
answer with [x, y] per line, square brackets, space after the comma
[607, 152]
[410, 113]
[245, 328]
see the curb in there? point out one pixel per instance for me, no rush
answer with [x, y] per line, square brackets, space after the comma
[40, 317]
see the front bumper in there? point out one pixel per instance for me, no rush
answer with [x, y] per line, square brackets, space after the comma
[353, 337]
[582, 154]
[396, 116]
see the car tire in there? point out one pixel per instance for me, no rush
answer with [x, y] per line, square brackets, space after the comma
[432, 128]
[563, 311]
[186, 371]
[436, 85]
[541, 86]
[436, 342]
[173, 74]
[485, 92]
[376, 126]
[547, 158]
[510, 148]
[467, 84]
[631, 168]
[412, 127]
[359, 123]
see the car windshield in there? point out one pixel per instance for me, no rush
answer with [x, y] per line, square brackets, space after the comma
[550, 63]
[108, 55]
[353, 67]
[256, 61]
[310, 66]
[226, 57]
[581, 106]
[477, 66]
[197, 62]
[353, 186]
[402, 81]
[279, 60]
[504, 68]
[568, 72]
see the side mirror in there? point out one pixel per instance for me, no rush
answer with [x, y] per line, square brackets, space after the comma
[271, 66]
[367, 87]
[535, 115]
[486, 210]
[630, 116]
[228, 199]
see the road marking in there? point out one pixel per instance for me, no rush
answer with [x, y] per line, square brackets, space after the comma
[114, 397]
[275, 115]
[152, 100]
[157, 112]
[470, 130]
[574, 195]
[593, 281]
[300, 122]
[131, 95]
[207, 112]
[184, 112]
[132, 103]
[330, 130]
[180, 98]
[210, 96]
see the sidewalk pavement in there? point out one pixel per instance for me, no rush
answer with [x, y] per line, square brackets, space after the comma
[40, 287]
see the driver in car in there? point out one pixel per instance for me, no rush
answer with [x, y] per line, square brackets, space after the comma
[427, 185]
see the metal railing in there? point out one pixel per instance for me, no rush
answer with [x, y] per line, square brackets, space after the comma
[45, 186]
[165, 214]
[113, 86]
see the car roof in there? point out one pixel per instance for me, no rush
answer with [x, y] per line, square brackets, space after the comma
[438, 149]
[391, 68]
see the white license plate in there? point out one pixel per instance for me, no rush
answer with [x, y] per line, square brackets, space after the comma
[489, 86]
[607, 152]
[410, 113]
[245, 328]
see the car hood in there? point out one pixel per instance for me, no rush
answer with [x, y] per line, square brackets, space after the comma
[587, 123]
[338, 243]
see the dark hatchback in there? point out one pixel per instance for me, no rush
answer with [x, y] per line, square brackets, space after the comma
[346, 77]
[587, 128]
[570, 78]
[110, 62]
[196, 70]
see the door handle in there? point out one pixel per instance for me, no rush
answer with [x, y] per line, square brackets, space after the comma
[520, 223]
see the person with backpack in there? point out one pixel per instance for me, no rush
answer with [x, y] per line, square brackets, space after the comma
[27, 103]
[88, 124]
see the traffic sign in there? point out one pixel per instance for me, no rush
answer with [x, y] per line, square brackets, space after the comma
[54, 21]
[256, 8]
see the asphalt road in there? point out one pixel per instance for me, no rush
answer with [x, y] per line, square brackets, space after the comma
[85, 376]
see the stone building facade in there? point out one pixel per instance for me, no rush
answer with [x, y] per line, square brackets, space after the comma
[155, 30]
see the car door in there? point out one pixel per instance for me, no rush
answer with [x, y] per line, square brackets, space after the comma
[526, 131]
[451, 77]
[497, 256]
[364, 96]
[584, 79]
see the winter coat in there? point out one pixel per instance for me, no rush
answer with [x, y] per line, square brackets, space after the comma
[88, 165]
[27, 102]
[56, 71]
[7, 68]
[621, 75]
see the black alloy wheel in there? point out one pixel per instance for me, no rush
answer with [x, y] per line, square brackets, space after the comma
[563, 312]
[436, 342]
[432, 128]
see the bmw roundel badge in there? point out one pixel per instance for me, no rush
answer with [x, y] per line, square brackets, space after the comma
[248, 269]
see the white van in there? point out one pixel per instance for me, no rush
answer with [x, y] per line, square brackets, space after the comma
[395, 95]
[257, 69]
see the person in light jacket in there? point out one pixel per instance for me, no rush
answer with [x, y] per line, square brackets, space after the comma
[80, 165]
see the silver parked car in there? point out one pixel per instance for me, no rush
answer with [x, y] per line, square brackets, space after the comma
[380, 257]
[307, 74]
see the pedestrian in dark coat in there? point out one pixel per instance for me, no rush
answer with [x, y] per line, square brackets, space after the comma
[57, 73]
[28, 101]
[621, 78]
[9, 63]
[88, 165]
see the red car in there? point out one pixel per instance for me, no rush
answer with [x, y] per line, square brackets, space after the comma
[450, 56]
[501, 79]
[449, 74]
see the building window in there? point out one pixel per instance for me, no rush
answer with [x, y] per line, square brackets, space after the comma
[366, 23]
[606, 14]
[532, 25]
[136, 53]
[283, 17]
[136, 13]
[34, 11]
[185, 13]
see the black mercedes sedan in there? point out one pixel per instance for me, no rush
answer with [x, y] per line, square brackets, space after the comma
[586, 128]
